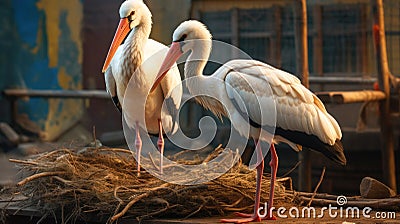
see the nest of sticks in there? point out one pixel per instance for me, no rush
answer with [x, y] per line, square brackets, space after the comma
[102, 182]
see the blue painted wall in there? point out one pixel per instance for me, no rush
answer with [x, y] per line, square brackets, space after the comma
[42, 49]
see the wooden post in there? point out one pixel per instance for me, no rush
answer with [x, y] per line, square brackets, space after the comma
[277, 40]
[301, 39]
[363, 47]
[318, 43]
[235, 31]
[387, 138]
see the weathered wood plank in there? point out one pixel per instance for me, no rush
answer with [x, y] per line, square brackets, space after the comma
[342, 97]
[57, 93]
[389, 166]
[300, 27]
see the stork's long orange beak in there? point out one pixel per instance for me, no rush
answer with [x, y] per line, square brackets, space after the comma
[173, 54]
[120, 34]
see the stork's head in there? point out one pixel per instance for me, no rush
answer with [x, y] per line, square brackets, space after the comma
[188, 31]
[189, 35]
[133, 13]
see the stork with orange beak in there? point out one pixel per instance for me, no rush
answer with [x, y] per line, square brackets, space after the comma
[301, 118]
[135, 59]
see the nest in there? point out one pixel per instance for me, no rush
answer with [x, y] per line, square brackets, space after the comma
[102, 182]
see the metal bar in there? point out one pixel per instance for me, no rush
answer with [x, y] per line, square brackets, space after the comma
[387, 136]
[100, 94]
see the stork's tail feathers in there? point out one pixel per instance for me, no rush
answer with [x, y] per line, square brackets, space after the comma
[334, 152]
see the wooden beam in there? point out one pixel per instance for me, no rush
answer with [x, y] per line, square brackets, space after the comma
[14, 94]
[301, 40]
[340, 80]
[19, 93]
[351, 96]
[387, 137]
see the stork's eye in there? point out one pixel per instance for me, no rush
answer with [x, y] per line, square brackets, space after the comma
[130, 17]
[183, 37]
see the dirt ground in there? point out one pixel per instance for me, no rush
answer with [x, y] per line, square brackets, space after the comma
[326, 219]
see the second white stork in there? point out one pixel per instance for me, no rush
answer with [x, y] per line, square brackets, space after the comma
[135, 59]
[301, 118]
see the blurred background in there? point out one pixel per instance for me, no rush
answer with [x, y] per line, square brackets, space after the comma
[61, 45]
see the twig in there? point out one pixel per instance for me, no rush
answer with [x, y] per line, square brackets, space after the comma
[152, 161]
[194, 212]
[121, 202]
[213, 154]
[48, 154]
[156, 212]
[39, 175]
[116, 195]
[116, 150]
[23, 162]
[67, 182]
[136, 199]
[234, 188]
[178, 154]
[233, 204]
[316, 188]
[94, 136]
[320, 195]
[291, 170]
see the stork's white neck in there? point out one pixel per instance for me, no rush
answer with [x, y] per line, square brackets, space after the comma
[133, 48]
[199, 85]
[137, 37]
[196, 62]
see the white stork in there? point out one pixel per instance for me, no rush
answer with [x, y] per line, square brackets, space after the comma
[136, 61]
[301, 118]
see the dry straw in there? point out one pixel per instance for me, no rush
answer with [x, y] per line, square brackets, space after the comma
[101, 183]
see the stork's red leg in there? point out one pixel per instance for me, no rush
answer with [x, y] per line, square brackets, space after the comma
[160, 144]
[138, 145]
[274, 168]
[255, 217]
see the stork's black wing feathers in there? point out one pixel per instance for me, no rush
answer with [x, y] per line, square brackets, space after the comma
[117, 103]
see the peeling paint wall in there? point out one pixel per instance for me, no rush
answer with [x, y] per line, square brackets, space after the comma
[46, 53]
